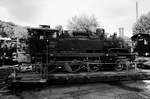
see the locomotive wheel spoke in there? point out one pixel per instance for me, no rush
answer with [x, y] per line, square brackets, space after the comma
[93, 67]
[122, 64]
[83, 67]
[119, 65]
[52, 68]
[74, 66]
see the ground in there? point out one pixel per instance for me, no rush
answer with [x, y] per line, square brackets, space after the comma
[98, 90]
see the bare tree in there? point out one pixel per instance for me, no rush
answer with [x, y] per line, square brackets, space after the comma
[9, 29]
[6, 29]
[59, 27]
[142, 25]
[83, 23]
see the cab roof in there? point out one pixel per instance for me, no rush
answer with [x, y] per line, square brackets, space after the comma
[141, 35]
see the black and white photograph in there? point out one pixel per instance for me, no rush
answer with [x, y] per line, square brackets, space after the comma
[74, 49]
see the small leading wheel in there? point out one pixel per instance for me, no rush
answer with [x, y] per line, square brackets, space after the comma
[119, 65]
[73, 66]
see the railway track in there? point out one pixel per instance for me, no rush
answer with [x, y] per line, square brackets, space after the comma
[103, 76]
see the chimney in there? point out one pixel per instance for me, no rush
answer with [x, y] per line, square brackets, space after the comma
[121, 32]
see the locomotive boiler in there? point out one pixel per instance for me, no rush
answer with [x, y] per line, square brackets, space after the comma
[64, 51]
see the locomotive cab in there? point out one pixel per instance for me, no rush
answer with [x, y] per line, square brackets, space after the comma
[42, 42]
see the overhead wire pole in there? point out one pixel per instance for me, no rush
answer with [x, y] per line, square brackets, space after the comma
[136, 20]
[136, 10]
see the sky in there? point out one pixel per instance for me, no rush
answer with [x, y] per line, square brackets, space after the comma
[111, 14]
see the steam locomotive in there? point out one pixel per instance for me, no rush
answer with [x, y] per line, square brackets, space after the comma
[141, 44]
[64, 51]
